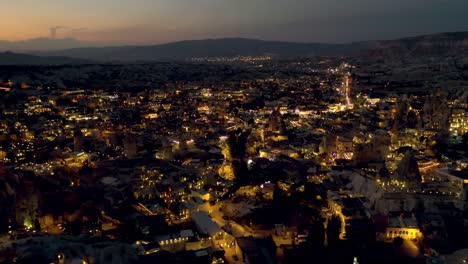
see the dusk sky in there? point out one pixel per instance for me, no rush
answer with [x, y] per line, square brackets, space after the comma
[157, 21]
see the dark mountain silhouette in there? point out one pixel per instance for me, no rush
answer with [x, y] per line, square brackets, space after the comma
[10, 58]
[228, 47]
[434, 45]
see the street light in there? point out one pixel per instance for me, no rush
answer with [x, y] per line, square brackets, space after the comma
[355, 261]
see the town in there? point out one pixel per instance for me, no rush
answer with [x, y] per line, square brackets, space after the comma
[231, 160]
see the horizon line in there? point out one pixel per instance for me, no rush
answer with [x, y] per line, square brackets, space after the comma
[88, 44]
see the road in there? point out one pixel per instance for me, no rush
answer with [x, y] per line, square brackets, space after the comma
[232, 229]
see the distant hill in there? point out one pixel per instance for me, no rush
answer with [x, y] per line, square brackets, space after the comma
[227, 47]
[10, 58]
[39, 44]
[434, 45]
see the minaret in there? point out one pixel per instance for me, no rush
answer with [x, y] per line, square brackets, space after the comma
[347, 92]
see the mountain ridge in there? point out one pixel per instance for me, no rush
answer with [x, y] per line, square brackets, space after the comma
[424, 45]
[442, 44]
[39, 44]
[11, 58]
[432, 45]
[225, 47]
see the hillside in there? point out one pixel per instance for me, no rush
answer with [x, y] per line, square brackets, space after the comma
[228, 47]
[10, 58]
[434, 45]
[39, 44]
[428, 46]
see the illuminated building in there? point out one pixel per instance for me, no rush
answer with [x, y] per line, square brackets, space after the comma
[206, 225]
[393, 226]
[459, 121]
[344, 148]
[458, 182]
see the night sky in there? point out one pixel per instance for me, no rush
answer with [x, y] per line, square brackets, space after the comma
[157, 21]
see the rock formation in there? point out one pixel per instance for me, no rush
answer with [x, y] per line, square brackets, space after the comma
[407, 169]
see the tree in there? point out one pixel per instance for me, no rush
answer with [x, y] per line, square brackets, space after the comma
[277, 195]
[333, 230]
[465, 139]
[316, 237]
[241, 171]
[412, 119]
[237, 143]
[384, 173]
[37, 225]
[397, 243]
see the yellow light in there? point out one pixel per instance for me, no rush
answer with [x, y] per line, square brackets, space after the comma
[27, 223]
